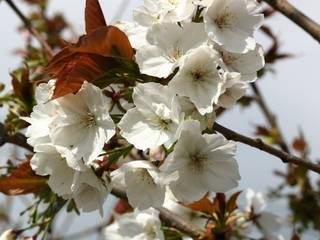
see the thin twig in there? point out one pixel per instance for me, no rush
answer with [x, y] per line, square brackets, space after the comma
[170, 219]
[270, 117]
[296, 16]
[31, 29]
[259, 144]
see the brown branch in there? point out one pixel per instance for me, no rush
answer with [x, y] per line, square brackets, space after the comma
[17, 139]
[296, 16]
[31, 29]
[170, 219]
[270, 117]
[259, 144]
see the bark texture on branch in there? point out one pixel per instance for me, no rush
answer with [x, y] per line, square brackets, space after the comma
[259, 144]
[296, 16]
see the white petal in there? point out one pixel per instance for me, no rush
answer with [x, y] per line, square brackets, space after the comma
[153, 61]
[139, 132]
[143, 193]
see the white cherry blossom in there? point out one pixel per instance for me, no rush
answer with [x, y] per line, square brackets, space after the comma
[42, 114]
[204, 163]
[254, 201]
[178, 10]
[44, 92]
[232, 90]
[84, 187]
[168, 43]
[40, 119]
[248, 64]
[198, 78]
[269, 223]
[150, 13]
[82, 126]
[195, 218]
[137, 34]
[157, 11]
[47, 161]
[231, 24]
[191, 112]
[155, 120]
[142, 182]
[139, 225]
[90, 192]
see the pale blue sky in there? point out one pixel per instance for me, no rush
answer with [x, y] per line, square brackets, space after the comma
[292, 92]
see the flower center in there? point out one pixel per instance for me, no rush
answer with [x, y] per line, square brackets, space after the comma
[88, 120]
[197, 162]
[198, 74]
[225, 19]
[150, 232]
[173, 2]
[161, 119]
[162, 123]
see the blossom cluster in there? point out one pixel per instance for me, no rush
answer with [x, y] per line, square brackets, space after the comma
[206, 51]
[253, 221]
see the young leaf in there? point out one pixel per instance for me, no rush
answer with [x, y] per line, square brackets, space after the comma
[232, 202]
[203, 205]
[94, 17]
[76, 69]
[22, 181]
[89, 59]
[23, 87]
[219, 204]
[105, 41]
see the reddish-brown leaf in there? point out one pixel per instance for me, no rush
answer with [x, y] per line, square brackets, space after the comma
[89, 59]
[219, 204]
[22, 86]
[299, 144]
[204, 205]
[262, 131]
[22, 181]
[106, 41]
[94, 17]
[77, 68]
[232, 202]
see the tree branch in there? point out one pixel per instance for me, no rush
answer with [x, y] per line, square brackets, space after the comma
[296, 16]
[31, 29]
[259, 144]
[170, 219]
[17, 139]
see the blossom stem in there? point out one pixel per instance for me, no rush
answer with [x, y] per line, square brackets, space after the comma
[170, 219]
[297, 17]
[31, 29]
[259, 144]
